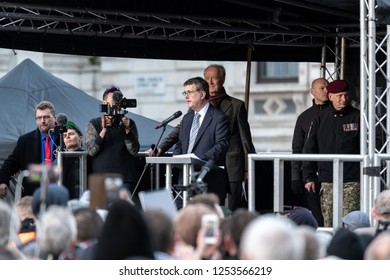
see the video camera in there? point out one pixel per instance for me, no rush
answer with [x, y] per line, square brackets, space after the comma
[117, 110]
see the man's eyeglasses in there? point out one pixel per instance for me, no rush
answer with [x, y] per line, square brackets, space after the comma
[189, 93]
[46, 118]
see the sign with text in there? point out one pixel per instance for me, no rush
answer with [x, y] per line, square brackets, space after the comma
[149, 84]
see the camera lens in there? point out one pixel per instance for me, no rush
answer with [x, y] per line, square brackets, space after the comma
[116, 120]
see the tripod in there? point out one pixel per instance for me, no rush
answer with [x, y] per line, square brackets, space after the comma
[151, 165]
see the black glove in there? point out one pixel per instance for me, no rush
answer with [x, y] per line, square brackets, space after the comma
[297, 187]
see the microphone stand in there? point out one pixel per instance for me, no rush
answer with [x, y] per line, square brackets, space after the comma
[151, 165]
[61, 129]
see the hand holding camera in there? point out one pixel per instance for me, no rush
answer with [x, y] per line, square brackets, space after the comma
[116, 112]
[106, 121]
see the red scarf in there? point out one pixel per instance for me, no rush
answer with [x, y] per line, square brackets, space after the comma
[215, 99]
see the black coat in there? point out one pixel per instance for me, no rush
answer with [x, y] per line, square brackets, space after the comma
[27, 151]
[333, 132]
[301, 129]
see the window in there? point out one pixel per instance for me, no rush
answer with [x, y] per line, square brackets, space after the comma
[269, 72]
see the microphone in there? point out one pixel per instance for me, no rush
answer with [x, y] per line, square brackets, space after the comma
[61, 119]
[171, 118]
[153, 146]
[205, 169]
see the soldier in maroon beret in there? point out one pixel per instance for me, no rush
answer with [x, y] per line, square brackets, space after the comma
[336, 130]
[338, 94]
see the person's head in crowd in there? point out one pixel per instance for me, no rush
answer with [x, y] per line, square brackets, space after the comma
[346, 245]
[161, 227]
[56, 232]
[26, 216]
[318, 90]
[188, 221]
[224, 226]
[196, 93]
[381, 209]
[27, 233]
[9, 224]
[55, 195]
[240, 218]
[45, 116]
[125, 234]
[356, 219]
[209, 199]
[72, 137]
[9, 227]
[303, 216]
[312, 243]
[89, 224]
[269, 237]
[215, 76]
[324, 237]
[379, 248]
[338, 94]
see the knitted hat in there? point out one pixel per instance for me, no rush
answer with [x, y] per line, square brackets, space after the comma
[346, 245]
[303, 216]
[71, 124]
[356, 219]
[55, 195]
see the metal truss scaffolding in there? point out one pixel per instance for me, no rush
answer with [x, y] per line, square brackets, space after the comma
[374, 100]
[73, 21]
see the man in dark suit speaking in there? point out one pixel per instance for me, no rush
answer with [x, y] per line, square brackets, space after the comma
[204, 131]
[240, 135]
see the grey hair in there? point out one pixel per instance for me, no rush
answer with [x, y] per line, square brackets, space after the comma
[9, 224]
[56, 230]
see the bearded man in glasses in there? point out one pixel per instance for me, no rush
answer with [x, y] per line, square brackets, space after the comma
[35, 147]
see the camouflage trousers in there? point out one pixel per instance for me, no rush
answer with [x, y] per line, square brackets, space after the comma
[351, 200]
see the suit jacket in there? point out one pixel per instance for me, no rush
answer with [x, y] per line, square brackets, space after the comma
[240, 137]
[212, 142]
[213, 137]
[27, 150]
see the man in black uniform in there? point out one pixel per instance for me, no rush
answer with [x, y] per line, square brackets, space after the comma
[309, 199]
[334, 131]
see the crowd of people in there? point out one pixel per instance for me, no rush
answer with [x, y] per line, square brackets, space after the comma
[70, 230]
[55, 221]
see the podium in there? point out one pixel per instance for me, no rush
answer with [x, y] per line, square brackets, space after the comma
[81, 176]
[187, 163]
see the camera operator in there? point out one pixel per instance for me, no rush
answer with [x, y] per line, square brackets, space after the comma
[112, 139]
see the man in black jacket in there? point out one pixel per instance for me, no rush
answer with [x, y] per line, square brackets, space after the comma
[334, 131]
[309, 199]
[31, 148]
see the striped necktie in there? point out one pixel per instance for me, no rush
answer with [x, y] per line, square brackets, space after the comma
[194, 132]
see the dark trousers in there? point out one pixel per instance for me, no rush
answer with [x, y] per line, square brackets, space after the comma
[235, 198]
[313, 202]
[309, 200]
